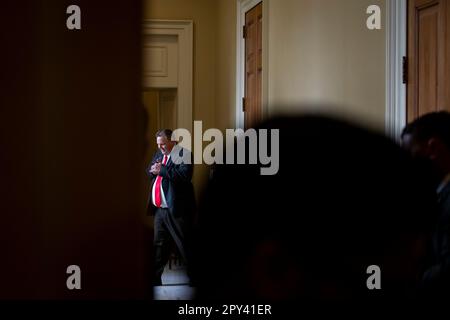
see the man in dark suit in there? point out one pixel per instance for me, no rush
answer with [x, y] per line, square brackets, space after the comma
[428, 138]
[171, 200]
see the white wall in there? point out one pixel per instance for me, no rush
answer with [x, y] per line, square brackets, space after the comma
[226, 64]
[320, 52]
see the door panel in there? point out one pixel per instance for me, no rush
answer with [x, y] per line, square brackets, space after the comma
[253, 66]
[428, 57]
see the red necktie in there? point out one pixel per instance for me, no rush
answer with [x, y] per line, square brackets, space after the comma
[158, 186]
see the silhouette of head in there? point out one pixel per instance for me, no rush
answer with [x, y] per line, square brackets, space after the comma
[344, 198]
[164, 142]
[428, 138]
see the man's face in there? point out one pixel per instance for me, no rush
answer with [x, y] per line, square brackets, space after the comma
[414, 147]
[164, 145]
[423, 154]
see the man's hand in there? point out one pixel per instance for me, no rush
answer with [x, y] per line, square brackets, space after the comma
[156, 168]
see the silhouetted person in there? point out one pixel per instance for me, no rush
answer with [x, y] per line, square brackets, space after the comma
[343, 199]
[428, 140]
[171, 201]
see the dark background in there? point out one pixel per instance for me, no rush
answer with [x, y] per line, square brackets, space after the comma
[72, 150]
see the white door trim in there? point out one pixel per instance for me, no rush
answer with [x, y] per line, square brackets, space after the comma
[184, 30]
[242, 7]
[396, 34]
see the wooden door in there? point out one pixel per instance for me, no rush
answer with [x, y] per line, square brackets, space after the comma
[428, 84]
[253, 66]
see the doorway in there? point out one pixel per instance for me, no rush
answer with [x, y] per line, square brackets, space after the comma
[161, 111]
[428, 83]
[252, 107]
[252, 62]
[168, 63]
[167, 98]
[417, 61]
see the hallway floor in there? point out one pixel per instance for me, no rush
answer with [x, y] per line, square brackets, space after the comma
[175, 285]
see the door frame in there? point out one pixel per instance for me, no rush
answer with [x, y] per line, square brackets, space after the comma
[396, 41]
[242, 7]
[184, 30]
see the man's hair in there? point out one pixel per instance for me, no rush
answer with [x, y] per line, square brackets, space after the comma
[434, 124]
[164, 133]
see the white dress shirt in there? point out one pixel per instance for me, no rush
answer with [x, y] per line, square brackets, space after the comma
[443, 183]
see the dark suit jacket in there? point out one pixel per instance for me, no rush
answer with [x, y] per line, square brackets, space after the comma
[177, 186]
[437, 277]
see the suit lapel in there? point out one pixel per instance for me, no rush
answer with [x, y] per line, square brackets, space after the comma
[444, 194]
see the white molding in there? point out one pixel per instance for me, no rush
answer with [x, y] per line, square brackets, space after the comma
[163, 52]
[242, 7]
[396, 36]
[184, 30]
